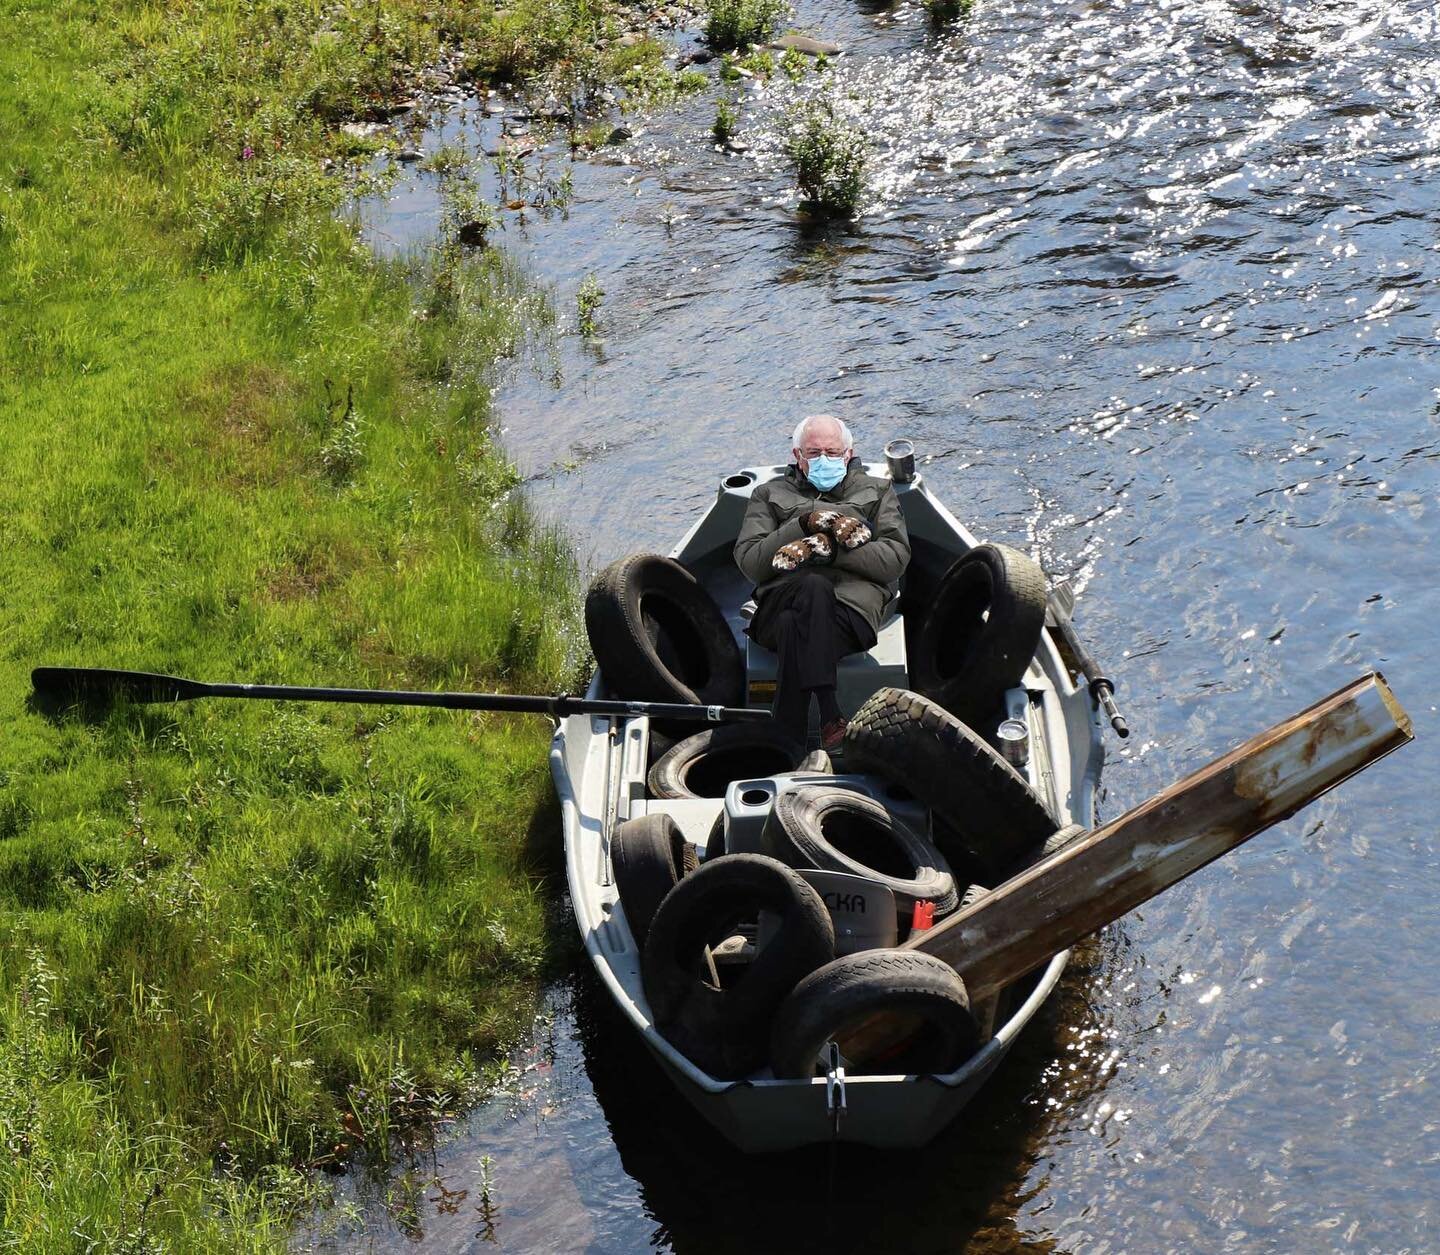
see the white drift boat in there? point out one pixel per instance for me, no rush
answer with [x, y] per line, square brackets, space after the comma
[600, 767]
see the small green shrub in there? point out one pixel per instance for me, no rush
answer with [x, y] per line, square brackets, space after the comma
[740, 23]
[553, 40]
[760, 63]
[466, 217]
[830, 157]
[447, 159]
[794, 64]
[645, 53]
[587, 301]
[241, 204]
[726, 122]
[591, 136]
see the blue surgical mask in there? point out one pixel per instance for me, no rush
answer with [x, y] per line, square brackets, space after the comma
[826, 472]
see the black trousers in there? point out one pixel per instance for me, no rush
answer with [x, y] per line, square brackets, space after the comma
[799, 619]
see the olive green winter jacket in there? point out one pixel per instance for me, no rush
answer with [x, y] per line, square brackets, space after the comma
[865, 577]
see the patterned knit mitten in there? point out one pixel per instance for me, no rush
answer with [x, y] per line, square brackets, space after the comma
[851, 533]
[816, 548]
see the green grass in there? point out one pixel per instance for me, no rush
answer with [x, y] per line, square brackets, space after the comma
[240, 940]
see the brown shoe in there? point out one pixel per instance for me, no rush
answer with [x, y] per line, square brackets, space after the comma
[832, 735]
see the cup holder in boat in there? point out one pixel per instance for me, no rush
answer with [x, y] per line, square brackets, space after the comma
[755, 797]
[741, 480]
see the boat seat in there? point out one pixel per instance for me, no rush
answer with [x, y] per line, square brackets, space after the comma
[857, 675]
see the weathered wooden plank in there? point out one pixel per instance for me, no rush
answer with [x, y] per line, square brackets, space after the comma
[1114, 869]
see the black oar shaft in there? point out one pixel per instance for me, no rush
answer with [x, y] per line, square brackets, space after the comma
[79, 683]
[559, 706]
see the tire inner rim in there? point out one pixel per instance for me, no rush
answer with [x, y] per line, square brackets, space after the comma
[866, 840]
[675, 640]
[711, 773]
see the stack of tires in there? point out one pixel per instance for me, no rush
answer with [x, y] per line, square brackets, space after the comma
[658, 636]
[793, 995]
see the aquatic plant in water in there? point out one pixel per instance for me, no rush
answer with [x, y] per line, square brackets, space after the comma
[587, 302]
[726, 121]
[739, 23]
[830, 157]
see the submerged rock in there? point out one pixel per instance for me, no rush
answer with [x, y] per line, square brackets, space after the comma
[804, 43]
[384, 111]
[517, 147]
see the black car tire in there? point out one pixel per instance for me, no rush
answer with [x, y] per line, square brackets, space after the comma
[703, 765]
[980, 632]
[915, 742]
[649, 856]
[843, 994]
[837, 829]
[726, 1032]
[658, 635]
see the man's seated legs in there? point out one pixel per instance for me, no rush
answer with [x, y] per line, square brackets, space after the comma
[809, 631]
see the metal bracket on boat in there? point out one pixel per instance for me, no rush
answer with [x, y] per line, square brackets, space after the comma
[611, 802]
[834, 1088]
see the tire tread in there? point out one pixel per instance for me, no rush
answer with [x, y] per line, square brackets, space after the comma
[914, 741]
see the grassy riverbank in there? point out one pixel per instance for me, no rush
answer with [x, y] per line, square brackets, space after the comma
[242, 940]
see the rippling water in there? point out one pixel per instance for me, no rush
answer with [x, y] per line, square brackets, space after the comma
[1153, 288]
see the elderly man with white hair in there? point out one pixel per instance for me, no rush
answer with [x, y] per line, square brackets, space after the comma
[825, 545]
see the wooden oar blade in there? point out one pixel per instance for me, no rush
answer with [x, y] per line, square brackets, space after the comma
[100, 684]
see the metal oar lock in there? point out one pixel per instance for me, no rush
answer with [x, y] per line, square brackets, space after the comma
[1058, 607]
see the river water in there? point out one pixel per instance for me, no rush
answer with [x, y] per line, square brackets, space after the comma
[1152, 287]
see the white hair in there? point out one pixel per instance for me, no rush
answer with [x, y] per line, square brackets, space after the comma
[813, 418]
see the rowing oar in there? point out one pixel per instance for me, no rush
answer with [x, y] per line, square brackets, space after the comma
[1058, 606]
[98, 684]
